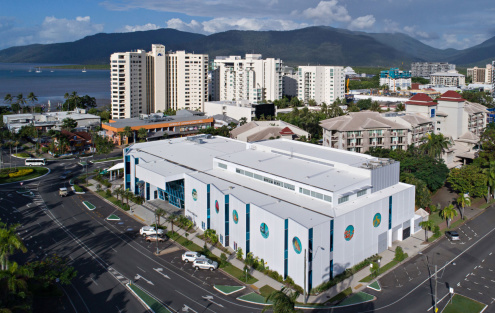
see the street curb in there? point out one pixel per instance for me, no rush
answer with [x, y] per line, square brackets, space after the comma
[139, 298]
[243, 287]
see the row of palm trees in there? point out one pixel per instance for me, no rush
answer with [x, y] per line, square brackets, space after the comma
[18, 102]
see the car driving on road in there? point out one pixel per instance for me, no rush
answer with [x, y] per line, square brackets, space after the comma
[452, 235]
[205, 264]
[190, 256]
[150, 230]
[65, 174]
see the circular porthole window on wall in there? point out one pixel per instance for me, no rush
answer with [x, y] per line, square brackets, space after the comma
[264, 230]
[194, 194]
[349, 232]
[235, 216]
[377, 219]
[296, 243]
[217, 206]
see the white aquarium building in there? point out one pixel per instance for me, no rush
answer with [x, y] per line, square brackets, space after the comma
[284, 201]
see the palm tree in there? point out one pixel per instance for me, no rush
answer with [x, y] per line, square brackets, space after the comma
[171, 219]
[242, 121]
[32, 97]
[448, 213]
[142, 134]
[128, 132]
[117, 192]
[375, 106]
[8, 98]
[463, 201]
[426, 225]
[20, 100]
[400, 107]
[434, 145]
[335, 110]
[159, 213]
[283, 300]
[9, 243]
[490, 179]
[15, 276]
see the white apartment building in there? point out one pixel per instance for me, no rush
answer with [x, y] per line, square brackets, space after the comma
[252, 78]
[448, 79]
[321, 83]
[149, 82]
[128, 84]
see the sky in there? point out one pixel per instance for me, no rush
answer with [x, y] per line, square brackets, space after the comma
[438, 23]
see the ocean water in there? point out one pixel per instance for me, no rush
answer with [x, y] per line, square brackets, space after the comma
[52, 84]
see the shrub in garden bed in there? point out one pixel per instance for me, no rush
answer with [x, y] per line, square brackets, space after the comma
[21, 172]
[78, 188]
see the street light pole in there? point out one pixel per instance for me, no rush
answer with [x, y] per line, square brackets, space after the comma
[435, 289]
[156, 230]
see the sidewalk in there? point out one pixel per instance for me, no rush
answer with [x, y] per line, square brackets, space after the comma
[412, 245]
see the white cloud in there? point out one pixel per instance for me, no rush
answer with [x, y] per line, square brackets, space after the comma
[327, 12]
[138, 28]
[58, 30]
[362, 22]
[223, 24]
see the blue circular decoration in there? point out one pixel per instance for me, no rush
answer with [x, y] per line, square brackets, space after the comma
[349, 232]
[296, 243]
[217, 206]
[235, 216]
[264, 230]
[194, 194]
[377, 219]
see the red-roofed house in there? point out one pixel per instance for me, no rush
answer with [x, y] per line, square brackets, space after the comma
[422, 104]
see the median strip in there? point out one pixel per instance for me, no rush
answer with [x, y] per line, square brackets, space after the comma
[90, 206]
[253, 297]
[113, 217]
[148, 300]
[375, 286]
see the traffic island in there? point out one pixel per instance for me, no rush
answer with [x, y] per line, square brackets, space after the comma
[21, 174]
[253, 297]
[113, 217]
[461, 304]
[89, 206]
[147, 300]
[375, 286]
[227, 290]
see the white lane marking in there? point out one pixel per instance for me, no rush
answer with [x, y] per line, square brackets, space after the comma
[81, 298]
[159, 270]
[200, 304]
[137, 277]
[210, 298]
[94, 281]
[141, 269]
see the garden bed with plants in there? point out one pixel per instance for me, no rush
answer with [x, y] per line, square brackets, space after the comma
[21, 174]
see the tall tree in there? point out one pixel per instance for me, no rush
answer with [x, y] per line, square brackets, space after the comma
[242, 121]
[128, 132]
[463, 201]
[375, 107]
[159, 213]
[69, 124]
[490, 178]
[284, 301]
[468, 179]
[32, 97]
[142, 134]
[448, 213]
[427, 225]
[400, 107]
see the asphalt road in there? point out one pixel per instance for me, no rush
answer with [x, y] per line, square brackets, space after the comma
[107, 254]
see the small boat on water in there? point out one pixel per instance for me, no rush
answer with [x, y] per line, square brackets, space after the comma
[38, 70]
[84, 70]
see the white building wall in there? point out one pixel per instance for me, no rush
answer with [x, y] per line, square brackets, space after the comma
[452, 125]
[271, 249]
[217, 218]
[321, 253]
[196, 209]
[296, 260]
[237, 229]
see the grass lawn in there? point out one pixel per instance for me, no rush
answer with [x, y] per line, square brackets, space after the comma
[37, 172]
[357, 298]
[227, 290]
[185, 242]
[461, 304]
[239, 274]
[22, 155]
[341, 296]
[155, 306]
[266, 290]
[382, 269]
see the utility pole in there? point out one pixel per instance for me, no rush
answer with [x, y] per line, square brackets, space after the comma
[435, 290]
[156, 230]
[305, 300]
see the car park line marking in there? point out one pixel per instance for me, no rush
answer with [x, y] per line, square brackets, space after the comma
[141, 269]
[94, 281]
[487, 287]
[113, 249]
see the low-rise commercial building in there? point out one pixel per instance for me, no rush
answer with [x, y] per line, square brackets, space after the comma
[240, 109]
[50, 120]
[447, 79]
[308, 211]
[184, 123]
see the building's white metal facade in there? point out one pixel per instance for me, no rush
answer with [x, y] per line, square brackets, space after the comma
[281, 199]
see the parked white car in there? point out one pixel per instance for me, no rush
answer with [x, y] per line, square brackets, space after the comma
[150, 230]
[190, 256]
[205, 264]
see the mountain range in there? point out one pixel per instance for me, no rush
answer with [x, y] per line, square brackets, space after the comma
[312, 45]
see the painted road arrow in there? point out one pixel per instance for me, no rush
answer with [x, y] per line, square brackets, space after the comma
[137, 277]
[210, 298]
[159, 270]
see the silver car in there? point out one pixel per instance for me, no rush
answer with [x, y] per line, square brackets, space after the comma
[452, 235]
[190, 256]
[205, 264]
